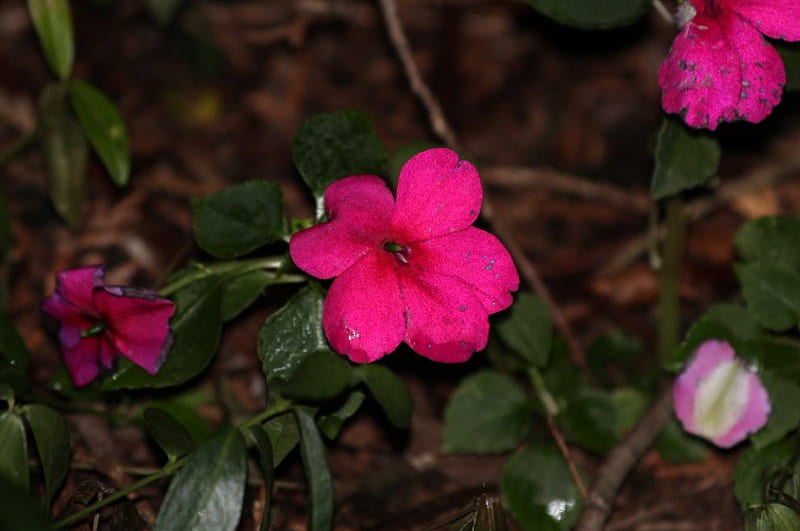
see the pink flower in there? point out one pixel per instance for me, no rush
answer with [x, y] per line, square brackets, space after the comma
[411, 270]
[720, 68]
[97, 323]
[718, 397]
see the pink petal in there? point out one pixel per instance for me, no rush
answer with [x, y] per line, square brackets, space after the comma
[359, 209]
[436, 194]
[779, 19]
[138, 323]
[709, 355]
[475, 257]
[82, 358]
[445, 320]
[363, 314]
[75, 285]
[68, 314]
[755, 416]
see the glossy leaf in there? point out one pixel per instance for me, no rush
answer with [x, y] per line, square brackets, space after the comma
[14, 356]
[685, 159]
[488, 413]
[323, 375]
[14, 457]
[242, 291]
[19, 510]
[528, 330]
[239, 219]
[52, 20]
[7, 395]
[330, 424]
[758, 466]
[390, 392]
[105, 129]
[51, 434]
[539, 490]
[772, 294]
[283, 434]
[592, 15]
[591, 420]
[771, 240]
[318, 476]
[66, 154]
[784, 415]
[186, 408]
[771, 517]
[208, 492]
[292, 333]
[676, 446]
[330, 146]
[264, 447]
[169, 434]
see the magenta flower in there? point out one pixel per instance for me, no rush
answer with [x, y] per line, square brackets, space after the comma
[718, 397]
[720, 68]
[411, 270]
[97, 323]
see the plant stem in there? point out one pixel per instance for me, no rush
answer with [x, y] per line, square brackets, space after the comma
[664, 12]
[669, 276]
[22, 143]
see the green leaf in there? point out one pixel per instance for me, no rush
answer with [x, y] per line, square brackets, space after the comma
[685, 158]
[770, 241]
[488, 413]
[51, 433]
[331, 423]
[197, 324]
[14, 457]
[169, 434]
[19, 510]
[784, 416]
[239, 219]
[390, 392]
[185, 407]
[208, 492]
[323, 375]
[592, 15]
[772, 294]
[320, 484]
[528, 330]
[630, 405]
[676, 446]
[539, 490]
[591, 420]
[330, 146]
[105, 129]
[52, 20]
[292, 334]
[771, 517]
[758, 466]
[7, 395]
[14, 356]
[264, 447]
[241, 291]
[283, 434]
[66, 154]
[163, 11]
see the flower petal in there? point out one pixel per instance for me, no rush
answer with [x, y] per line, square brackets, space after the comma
[779, 19]
[754, 416]
[75, 286]
[359, 209]
[67, 314]
[138, 323]
[445, 320]
[363, 313]
[436, 194]
[475, 257]
[81, 356]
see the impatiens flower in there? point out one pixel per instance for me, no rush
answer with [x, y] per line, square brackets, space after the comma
[411, 270]
[720, 68]
[97, 323]
[718, 397]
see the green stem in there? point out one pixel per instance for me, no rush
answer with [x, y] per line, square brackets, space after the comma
[669, 278]
[17, 147]
[548, 402]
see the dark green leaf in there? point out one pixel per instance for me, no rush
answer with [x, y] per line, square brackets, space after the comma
[241, 291]
[66, 154]
[105, 129]
[185, 408]
[335, 145]
[13, 356]
[163, 10]
[264, 447]
[758, 466]
[488, 413]
[7, 395]
[790, 54]
[389, 391]
[52, 20]
[528, 330]
[685, 158]
[331, 423]
[320, 484]
[323, 375]
[676, 446]
[19, 511]
[5, 228]
[770, 241]
[14, 457]
[630, 405]
[239, 219]
[539, 490]
[283, 434]
[208, 492]
[593, 15]
[292, 334]
[51, 433]
[772, 294]
[591, 420]
[784, 415]
[771, 517]
[170, 434]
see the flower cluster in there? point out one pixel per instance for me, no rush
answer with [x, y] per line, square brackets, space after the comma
[412, 270]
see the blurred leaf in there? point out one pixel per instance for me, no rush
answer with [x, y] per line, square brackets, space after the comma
[264, 447]
[676, 446]
[14, 356]
[7, 395]
[772, 293]
[333, 145]
[774, 354]
[390, 392]
[239, 219]
[784, 416]
[283, 434]
[771, 517]
[539, 490]
[488, 413]
[331, 423]
[19, 511]
[105, 129]
[591, 420]
[401, 156]
[51, 433]
[614, 358]
[241, 291]
[770, 241]
[292, 333]
[208, 492]
[52, 21]
[6, 239]
[323, 375]
[162, 10]
[169, 434]
[66, 154]
[560, 376]
[757, 467]
[630, 405]
[685, 158]
[318, 477]
[790, 54]
[528, 330]
[14, 457]
[592, 15]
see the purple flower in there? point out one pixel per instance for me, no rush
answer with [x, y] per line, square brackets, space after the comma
[97, 323]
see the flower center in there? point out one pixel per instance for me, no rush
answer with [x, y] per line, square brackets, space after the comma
[400, 252]
[94, 330]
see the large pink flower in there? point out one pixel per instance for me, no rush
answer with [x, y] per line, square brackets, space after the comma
[720, 68]
[414, 270]
[97, 323]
